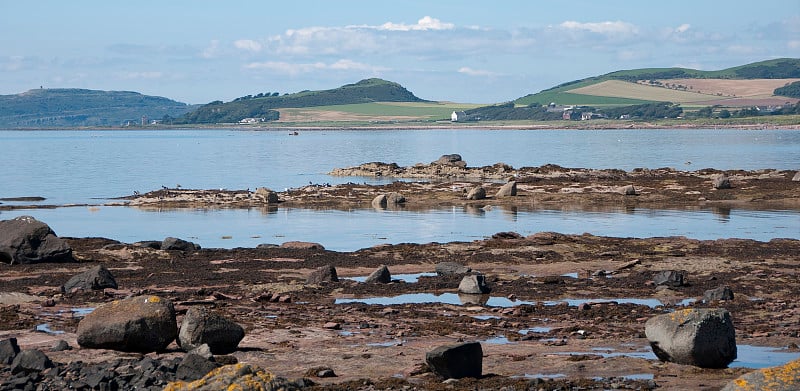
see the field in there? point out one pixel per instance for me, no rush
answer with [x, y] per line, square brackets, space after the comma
[375, 112]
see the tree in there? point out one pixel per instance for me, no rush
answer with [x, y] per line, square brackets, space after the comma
[724, 113]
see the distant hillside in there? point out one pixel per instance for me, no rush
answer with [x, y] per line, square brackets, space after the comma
[746, 85]
[71, 107]
[263, 106]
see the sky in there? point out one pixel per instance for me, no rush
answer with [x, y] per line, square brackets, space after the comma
[462, 51]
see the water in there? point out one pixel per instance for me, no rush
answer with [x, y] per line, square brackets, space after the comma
[80, 167]
[408, 278]
[491, 301]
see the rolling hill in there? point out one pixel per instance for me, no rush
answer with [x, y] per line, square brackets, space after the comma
[742, 86]
[72, 107]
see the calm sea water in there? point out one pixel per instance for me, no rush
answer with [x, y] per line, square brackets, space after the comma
[92, 166]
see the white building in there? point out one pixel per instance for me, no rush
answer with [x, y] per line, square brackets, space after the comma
[458, 116]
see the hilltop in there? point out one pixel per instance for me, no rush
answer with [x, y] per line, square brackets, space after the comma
[262, 107]
[73, 107]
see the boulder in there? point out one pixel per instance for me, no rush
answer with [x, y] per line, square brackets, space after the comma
[96, 278]
[267, 195]
[381, 275]
[388, 200]
[199, 326]
[323, 274]
[721, 181]
[8, 350]
[194, 366]
[26, 240]
[723, 292]
[670, 278]
[456, 361]
[627, 190]
[380, 201]
[474, 284]
[136, 324]
[453, 159]
[302, 245]
[477, 193]
[237, 377]
[796, 177]
[31, 360]
[507, 190]
[60, 346]
[175, 244]
[782, 378]
[451, 268]
[701, 337]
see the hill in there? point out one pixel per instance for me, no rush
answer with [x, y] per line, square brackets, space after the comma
[72, 107]
[263, 107]
[747, 85]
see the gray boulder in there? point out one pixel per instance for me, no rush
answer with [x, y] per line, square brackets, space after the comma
[456, 361]
[701, 337]
[451, 268]
[721, 181]
[26, 240]
[388, 200]
[96, 278]
[670, 278]
[507, 190]
[474, 284]
[451, 160]
[31, 360]
[175, 244]
[723, 292]
[477, 193]
[199, 326]
[782, 378]
[267, 195]
[194, 366]
[8, 350]
[796, 177]
[297, 245]
[135, 324]
[381, 275]
[627, 190]
[323, 274]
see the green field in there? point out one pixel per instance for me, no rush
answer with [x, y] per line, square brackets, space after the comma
[378, 110]
[567, 98]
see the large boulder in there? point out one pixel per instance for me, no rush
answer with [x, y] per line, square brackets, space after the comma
[8, 350]
[783, 378]
[451, 268]
[450, 160]
[456, 361]
[381, 275]
[477, 193]
[96, 278]
[388, 200]
[474, 284]
[671, 278]
[194, 366]
[26, 240]
[721, 181]
[199, 326]
[722, 292]
[136, 324]
[507, 190]
[796, 177]
[323, 274]
[701, 337]
[238, 377]
[627, 190]
[175, 244]
[267, 195]
[31, 360]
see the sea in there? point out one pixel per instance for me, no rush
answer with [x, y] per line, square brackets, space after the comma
[81, 170]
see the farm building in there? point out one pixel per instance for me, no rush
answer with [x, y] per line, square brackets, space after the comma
[458, 116]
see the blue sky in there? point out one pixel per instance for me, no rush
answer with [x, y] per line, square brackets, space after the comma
[464, 51]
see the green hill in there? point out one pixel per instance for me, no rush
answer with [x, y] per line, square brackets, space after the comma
[564, 94]
[365, 91]
[72, 107]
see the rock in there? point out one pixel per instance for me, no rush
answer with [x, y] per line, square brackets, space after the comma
[238, 377]
[474, 284]
[267, 195]
[380, 201]
[723, 292]
[194, 366]
[669, 278]
[456, 361]
[700, 337]
[61, 346]
[450, 160]
[506, 235]
[26, 240]
[136, 324]
[451, 268]
[477, 193]
[796, 177]
[199, 326]
[8, 350]
[202, 351]
[782, 378]
[323, 274]
[302, 245]
[395, 198]
[96, 278]
[507, 190]
[380, 275]
[153, 244]
[175, 244]
[332, 326]
[31, 360]
[721, 181]
[627, 190]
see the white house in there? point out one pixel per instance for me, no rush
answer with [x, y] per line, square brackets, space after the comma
[458, 116]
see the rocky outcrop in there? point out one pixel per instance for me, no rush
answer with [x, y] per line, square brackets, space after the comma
[194, 366]
[175, 244]
[96, 278]
[8, 350]
[199, 326]
[322, 275]
[451, 268]
[474, 284]
[507, 190]
[26, 240]
[31, 360]
[456, 361]
[266, 195]
[136, 324]
[721, 181]
[381, 275]
[476, 193]
[719, 293]
[627, 190]
[388, 200]
[782, 378]
[671, 278]
[238, 377]
[700, 337]
[302, 245]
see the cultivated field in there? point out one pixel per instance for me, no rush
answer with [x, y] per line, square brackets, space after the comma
[640, 91]
[381, 111]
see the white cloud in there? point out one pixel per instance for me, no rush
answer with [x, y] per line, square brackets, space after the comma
[212, 50]
[301, 68]
[683, 28]
[606, 28]
[426, 23]
[247, 45]
[476, 72]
